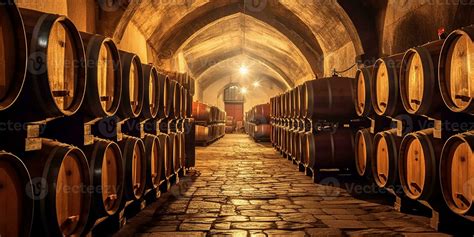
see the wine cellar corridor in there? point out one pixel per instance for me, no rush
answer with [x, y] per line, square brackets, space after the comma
[241, 188]
[236, 118]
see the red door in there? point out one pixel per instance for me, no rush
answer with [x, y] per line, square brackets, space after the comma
[236, 110]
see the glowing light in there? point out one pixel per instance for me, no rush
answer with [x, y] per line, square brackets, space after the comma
[244, 70]
[256, 84]
[244, 90]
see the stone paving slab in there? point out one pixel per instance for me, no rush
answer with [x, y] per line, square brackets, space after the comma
[241, 188]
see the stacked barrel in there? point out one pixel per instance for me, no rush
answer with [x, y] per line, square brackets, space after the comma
[210, 123]
[89, 132]
[310, 124]
[257, 122]
[420, 143]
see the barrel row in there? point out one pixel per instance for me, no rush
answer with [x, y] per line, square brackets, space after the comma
[210, 133]
[426, 168]
[206, 114]
[45, 59]
[62, 190]
[422, 81]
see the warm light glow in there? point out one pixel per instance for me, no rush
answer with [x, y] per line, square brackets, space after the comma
[256, 84]
[244, 70]
[244, 90]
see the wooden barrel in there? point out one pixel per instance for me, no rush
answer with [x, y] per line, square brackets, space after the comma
[133, 86]
[175, 153]
[184, 102]
[189, 106]
[262, 114]
[385, 88]
[104, 76]
[202, 134]
[456, 70]
[385, 159]
[166, 155]
[295, 145]
[301, 101]
[272, 108]
[174, 103]
[134, 158]
[331, 149]
[164, 85]
[182, 149]
[418, 165]
[457, 173]
[330, 98]
[304, 158]
[106, 168]
[295, 106]
[201, 112]
[13, 53]
[17, 207]
[363, 152]
[419, 90]
[62, 204]
[151, 97]
[155, 162]
[56, 75]
[363, 101]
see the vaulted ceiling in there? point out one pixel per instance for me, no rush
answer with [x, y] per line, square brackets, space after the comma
[285, 42]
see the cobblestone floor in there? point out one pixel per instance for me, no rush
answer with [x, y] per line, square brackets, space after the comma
[242, 188]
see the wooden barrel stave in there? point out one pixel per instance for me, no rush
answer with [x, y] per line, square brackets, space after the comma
[14, 197]
[63, 208]
[363, 101]
[104, 76]
[134, 158]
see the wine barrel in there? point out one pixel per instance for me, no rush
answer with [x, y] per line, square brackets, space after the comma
[164, 85]
[56, 75]
[155, 162]
[134, 161]
[182, 149]
[295, 145]
[385, 159]
[418, 165]
[151, 99]
[166, 155]
[295, 106]
[363, 101]
[331, 149]
[202, 134]
[133, 86]
[456, 70]
[13, 53]
[184, 102]
[457, 173]
[363, 152]
[175, 153]
[330, 98]
[17, 206]
[174, 103]
[301, 97]
[201, 112]
[106, 168]
[304, 156]
[104, 77]
[189, 106]
[62, 205]
[419, 90]
[262, 114]
[385, 88]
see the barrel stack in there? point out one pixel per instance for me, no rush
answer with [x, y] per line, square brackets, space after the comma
[419, 143]
[210, 123]
[116, 128]
[257, 123]
[312, 125]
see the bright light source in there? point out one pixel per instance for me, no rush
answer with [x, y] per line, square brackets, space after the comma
[256, 84]
[244, 70]
[244, 90]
